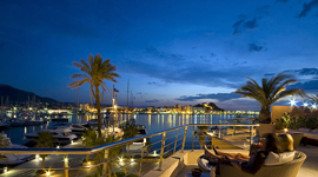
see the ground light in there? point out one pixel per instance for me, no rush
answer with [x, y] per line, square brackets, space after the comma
[5, 169]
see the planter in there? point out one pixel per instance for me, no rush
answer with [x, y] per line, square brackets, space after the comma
[196, 172]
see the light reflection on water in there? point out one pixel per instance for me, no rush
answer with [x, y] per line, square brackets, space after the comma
[152, 122]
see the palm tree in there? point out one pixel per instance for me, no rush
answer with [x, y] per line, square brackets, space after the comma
[269, 92]
[313, 98]
[45, 140]
[94, 72]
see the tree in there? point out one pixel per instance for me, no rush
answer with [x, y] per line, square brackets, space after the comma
[94, 73]
[271, 91]
[45, 140]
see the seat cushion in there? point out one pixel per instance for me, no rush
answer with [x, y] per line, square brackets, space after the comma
[279, 158]
[204, 163]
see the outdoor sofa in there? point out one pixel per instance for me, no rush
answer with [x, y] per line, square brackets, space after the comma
[288, 169]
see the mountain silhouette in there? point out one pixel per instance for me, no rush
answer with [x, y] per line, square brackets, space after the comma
[13, 96]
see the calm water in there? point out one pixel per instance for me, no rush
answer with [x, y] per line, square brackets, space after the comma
[153, 123]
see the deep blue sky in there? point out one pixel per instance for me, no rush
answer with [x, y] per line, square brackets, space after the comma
[170, 51]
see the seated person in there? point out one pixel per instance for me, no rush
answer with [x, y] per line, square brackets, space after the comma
[250, 164]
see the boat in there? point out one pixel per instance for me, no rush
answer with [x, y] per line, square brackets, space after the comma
[12, 159]
[62, 137]
[137, 146]
[61, 132]
[93, 123]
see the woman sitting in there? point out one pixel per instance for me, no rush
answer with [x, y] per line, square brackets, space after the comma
[251, 164]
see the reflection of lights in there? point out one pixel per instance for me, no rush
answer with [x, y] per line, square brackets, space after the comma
[305, 104]
[72, 142]
[37, 156]
[66, 159]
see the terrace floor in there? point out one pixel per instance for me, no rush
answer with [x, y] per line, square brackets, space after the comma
[308, 169]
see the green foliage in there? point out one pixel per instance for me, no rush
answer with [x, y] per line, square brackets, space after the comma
[45, 140]
[130, 131]
[299, 117]
[269, 92]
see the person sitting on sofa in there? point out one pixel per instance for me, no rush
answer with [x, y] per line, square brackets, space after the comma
[250, 164]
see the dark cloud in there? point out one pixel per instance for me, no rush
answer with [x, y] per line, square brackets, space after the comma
[218, 96]
[309, 86]
[159, 84]
[154, 52]
[307, 7]
[252, 47]
[282, 0]
[243, 24]
[152, 101]
[303, 71]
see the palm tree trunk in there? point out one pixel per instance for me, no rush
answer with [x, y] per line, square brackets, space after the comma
[99, 125]
[265, 115]
[43, 162]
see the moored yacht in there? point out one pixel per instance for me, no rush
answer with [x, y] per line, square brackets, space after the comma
[12, 159]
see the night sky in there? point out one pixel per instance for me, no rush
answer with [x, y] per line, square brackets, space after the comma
[171, 52]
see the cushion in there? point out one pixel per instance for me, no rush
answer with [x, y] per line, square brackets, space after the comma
[204, 163]
[278, 159]
[304, 129]
[314, 130]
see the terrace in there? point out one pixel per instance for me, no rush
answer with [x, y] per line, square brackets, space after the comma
[173, 152]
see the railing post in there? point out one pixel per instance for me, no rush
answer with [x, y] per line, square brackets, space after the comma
[104, 172]
[66, 166]
[251, 140]
[140, 162]
[192, 137]
[184, 138]
[162, 149]
[175, 144]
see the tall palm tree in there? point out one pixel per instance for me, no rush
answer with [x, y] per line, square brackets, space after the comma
[269, 92]
[94, 73]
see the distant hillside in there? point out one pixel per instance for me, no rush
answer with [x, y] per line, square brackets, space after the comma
[10, 95]
[213, 105]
